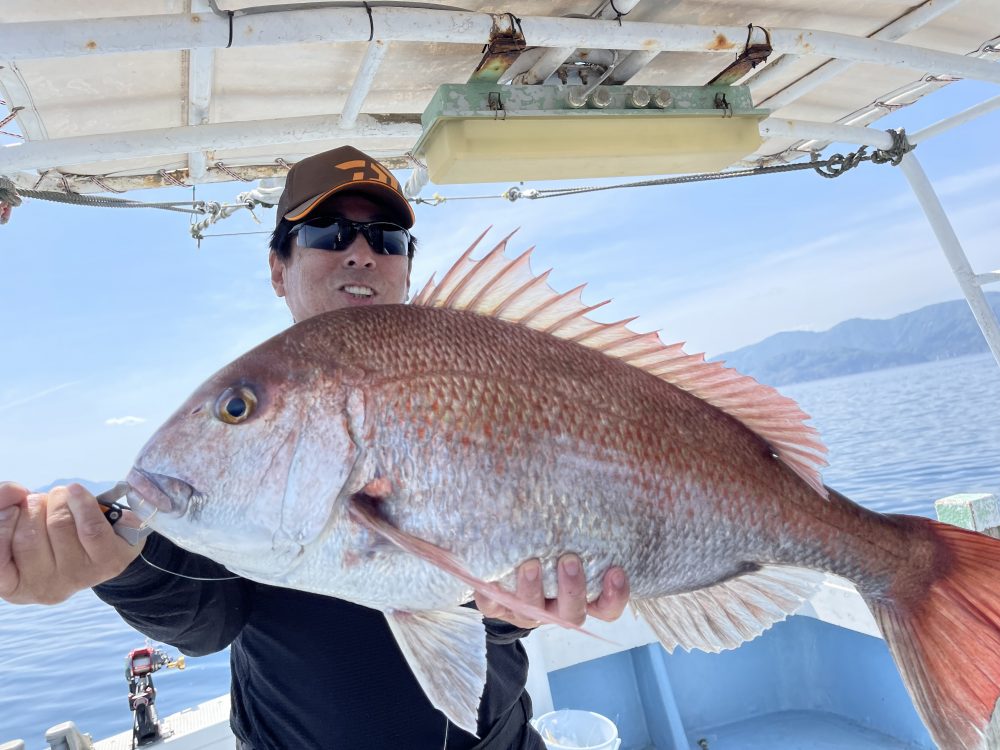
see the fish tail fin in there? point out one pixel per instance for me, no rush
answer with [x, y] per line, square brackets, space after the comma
[946, 640]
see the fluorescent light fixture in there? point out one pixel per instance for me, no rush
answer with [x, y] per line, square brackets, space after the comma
[488, 133]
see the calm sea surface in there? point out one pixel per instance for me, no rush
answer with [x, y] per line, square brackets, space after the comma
[899, 439]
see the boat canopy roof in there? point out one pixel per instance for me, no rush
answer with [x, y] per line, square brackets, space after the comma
[115, 95]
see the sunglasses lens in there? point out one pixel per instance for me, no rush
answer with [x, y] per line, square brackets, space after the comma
[325, 234]
[395, 239]
[338, 234]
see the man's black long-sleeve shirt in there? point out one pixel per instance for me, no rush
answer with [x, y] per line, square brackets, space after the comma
[310, 671]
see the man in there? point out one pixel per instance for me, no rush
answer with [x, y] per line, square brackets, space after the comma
[308, 671]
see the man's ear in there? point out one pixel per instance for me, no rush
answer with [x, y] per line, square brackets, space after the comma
[277, 273]
[406, 292]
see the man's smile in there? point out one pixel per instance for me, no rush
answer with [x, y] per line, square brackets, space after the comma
[358, 291]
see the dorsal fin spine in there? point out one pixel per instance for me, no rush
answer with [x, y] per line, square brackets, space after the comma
[521, 291]
[456, 269]
[509, 268]
[470, 275]
[530, 316]
[773, 417]
[574, 316]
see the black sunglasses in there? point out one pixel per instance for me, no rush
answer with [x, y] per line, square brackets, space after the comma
[336, 234]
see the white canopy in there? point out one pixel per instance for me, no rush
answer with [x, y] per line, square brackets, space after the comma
[119, 94]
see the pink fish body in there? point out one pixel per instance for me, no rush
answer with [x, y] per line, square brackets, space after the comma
[401, 456]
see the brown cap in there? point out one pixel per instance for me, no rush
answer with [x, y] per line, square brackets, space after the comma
[312, 180]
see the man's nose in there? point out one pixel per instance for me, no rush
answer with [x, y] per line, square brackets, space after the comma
[359, 254]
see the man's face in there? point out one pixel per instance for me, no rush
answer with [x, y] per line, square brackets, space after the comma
[317, 281]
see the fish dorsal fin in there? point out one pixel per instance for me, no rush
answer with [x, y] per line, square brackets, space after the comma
[503, 287]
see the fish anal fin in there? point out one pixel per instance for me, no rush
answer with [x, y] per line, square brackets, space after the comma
[446, 650]
[500, 287]
[728, 614]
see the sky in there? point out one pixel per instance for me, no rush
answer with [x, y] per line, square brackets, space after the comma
[109, 318]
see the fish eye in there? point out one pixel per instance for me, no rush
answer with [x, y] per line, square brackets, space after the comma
[235, 405]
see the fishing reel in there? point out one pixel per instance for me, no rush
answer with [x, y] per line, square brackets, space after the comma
[139, 667]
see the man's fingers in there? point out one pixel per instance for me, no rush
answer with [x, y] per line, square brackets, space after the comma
[70, 556]
[8, 570]
[529, 584]
[12, 493]
[614, 596]
[96, 535]
[30, 546]
[489, 607]
[571, 599]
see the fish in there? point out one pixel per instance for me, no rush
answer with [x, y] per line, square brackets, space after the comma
[403, 457]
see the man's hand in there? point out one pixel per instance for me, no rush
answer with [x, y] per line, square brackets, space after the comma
[571, 599]
[53, 545]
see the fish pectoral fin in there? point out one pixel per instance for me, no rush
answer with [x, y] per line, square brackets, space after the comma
[725, 615]
[364, 510]
[446, 649]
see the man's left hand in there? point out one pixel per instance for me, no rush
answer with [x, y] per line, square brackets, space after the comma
[571, 598]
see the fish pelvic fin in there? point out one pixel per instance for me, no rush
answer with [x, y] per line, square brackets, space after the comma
[446, 650]
[728, 614]
[502, 287]
[363, 511]
[946, 642]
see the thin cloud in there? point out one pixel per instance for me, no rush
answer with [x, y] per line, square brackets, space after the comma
[36, 396]
[124, 421]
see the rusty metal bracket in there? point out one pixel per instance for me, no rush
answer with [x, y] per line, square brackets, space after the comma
[505, 45]
[11, 116]
[752, 55]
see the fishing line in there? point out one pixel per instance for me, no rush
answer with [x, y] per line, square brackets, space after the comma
[181, 575]
[171, 572]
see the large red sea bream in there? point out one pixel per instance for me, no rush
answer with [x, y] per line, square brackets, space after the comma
[401, 456]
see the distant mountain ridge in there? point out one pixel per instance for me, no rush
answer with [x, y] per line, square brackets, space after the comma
[94, 487]
[941, 331]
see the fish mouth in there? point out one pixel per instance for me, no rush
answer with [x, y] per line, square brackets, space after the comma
[150, 493]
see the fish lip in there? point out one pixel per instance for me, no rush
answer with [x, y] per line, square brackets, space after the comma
[150, 493]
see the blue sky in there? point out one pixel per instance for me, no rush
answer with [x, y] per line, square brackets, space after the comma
[109, 318]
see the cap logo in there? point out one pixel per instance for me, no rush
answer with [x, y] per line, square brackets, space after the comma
[367, 170]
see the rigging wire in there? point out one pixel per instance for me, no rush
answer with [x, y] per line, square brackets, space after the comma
[833, 166]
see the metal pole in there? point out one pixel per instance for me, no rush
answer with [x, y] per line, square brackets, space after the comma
[363, 83]
[948, 123]
[953, 252]
[552, 58]
[87, 149]
[774, 127]
[914, 19]
[45, 39]
[201, 78]
[201, 75]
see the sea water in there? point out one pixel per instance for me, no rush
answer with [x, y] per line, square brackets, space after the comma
[899, 439]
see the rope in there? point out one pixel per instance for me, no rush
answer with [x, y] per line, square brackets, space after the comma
[834, 166]
[194, 207]
[371, 22]
[9, 199]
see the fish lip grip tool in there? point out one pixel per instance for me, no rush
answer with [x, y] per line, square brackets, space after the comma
[113, 512]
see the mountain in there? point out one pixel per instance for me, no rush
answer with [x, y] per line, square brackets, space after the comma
[941, 331]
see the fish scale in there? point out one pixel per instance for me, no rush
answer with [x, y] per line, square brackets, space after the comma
[404, 456]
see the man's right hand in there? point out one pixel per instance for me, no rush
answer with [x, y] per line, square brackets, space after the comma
[55, 544]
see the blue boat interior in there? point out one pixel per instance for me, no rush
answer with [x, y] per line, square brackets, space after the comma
[803, 685]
